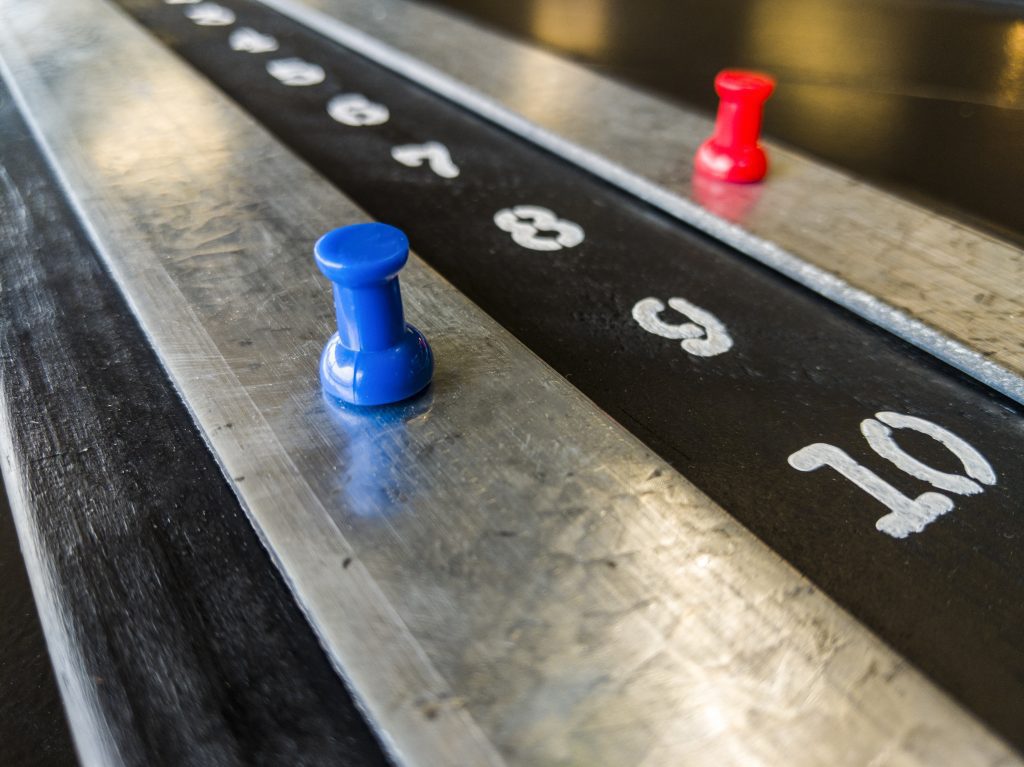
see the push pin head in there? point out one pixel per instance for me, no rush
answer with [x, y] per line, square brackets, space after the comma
[375, 357]
[732, 153]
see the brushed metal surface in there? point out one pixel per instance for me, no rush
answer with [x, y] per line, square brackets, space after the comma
[502, 574]
[949, 289]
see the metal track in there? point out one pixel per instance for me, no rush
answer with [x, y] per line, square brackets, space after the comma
[501, 573]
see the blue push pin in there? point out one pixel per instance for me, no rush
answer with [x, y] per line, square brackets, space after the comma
[375, 357]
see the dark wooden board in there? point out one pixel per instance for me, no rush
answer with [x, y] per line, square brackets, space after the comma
[33, 729]
[188, 640]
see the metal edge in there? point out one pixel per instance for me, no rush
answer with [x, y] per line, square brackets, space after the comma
[375, 25]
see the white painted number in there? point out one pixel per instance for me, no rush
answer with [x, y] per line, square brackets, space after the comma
[356, 110]
[180, 2]
[538, 228]
[878, 435]
[248, 40]
[906, 515]
[210, 15]
[295, 72]
[703, 336]
[434, 153]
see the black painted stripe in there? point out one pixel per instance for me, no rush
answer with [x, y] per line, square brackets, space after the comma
[802, 371]
[194, 646]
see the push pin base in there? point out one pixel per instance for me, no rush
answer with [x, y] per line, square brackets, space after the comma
[377, 377]
[739, 167]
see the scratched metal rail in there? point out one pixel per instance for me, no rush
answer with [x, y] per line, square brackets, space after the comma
[501, 573]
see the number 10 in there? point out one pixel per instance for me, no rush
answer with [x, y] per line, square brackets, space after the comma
[906, 515]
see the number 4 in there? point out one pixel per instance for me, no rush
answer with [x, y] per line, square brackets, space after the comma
[906, 515]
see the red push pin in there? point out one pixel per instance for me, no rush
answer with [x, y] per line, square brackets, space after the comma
[732, 153]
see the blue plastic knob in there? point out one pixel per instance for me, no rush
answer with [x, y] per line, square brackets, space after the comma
[375, 357]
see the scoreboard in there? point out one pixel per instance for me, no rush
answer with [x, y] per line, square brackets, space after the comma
[706, 473]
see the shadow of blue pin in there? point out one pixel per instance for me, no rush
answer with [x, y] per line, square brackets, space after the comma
[375, 357]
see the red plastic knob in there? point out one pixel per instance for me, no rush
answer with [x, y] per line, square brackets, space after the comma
[732, 153]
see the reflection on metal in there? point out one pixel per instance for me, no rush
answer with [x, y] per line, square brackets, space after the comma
[501, 573]
[834, 39]
[123, 140]
[827, 43]
[942, 286]
[731, 202]
[857, 115]
[374, 482]
[578, 26]
[1011, 80]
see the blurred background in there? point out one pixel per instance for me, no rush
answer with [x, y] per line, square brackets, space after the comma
[922, 97]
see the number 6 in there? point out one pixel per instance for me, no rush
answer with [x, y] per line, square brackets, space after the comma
[356, 110]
